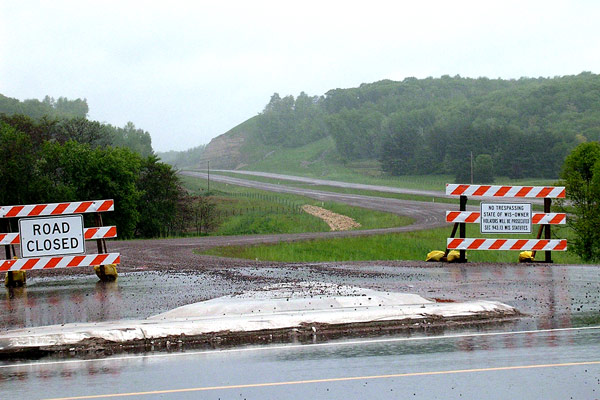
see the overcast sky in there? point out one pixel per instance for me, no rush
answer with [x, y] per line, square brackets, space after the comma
[187, 71]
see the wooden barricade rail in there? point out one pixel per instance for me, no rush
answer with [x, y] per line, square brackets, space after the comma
[545, 220]
[98, 233]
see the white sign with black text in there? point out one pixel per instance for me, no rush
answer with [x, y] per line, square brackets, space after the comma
[505, 218]
[51, 236]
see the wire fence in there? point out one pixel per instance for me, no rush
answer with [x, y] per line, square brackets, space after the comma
[280, 205]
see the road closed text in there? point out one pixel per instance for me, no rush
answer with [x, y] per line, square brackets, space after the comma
[51, 236]
[64, 244]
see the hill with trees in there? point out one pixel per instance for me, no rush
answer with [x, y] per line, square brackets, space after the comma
[50, 152]
[514, 128]
[65, 119]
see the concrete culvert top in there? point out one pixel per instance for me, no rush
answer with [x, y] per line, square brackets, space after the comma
[275, 308]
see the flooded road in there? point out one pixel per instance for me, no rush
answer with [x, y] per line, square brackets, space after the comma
[551, 296]
[551, 352]
[544, 364]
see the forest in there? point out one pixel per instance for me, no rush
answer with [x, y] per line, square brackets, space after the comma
[50, 152]
[514, 128]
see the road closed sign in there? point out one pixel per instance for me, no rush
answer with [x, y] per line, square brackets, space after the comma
[51, 236]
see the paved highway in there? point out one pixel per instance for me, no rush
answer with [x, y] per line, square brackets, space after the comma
[349, 185]
[426, 214]
[553, 364]
[361, 186]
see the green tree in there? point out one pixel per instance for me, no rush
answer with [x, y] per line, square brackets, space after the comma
[160, 192]
[61, 108]
[74, 171]
[71, 108]
[483, 169]
[65, 160]
[581, 174]
[82, 130]
[205, 216]
[135, 139]
[17, 157]
[38, 131]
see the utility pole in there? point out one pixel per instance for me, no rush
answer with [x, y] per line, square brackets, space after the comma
[208, 173]
[471, 167]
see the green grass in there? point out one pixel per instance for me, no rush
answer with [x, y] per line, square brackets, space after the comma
[315, 159]
[403, 246]
[369, 219]
[269, 223]
[400, 246]
[244, 211]
[374, 193]
[337, 189]
[320, 160]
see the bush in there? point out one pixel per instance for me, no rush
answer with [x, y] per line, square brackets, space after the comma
[581, 174]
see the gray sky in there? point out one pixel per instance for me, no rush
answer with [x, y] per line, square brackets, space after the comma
[187, 71]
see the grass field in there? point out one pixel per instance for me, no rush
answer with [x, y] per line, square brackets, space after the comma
[400, 246]
[319, 160]
[243, 211]
[335, 189]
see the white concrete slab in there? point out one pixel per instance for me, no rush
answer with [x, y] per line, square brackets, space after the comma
[275, 307]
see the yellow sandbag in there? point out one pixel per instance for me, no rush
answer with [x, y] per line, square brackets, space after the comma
[19, 278]
[435, 255]
[454, 256]
[526, 256]
[109, 273]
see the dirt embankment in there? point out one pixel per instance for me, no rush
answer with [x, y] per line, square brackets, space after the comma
[336, 222]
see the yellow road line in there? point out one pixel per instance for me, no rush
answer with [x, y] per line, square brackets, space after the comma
[329, 380]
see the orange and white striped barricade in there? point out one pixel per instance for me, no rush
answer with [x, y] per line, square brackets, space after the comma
[544, 220]
[53, 236]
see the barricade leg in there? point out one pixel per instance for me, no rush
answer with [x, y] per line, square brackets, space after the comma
[547, 235]
[13, 278]
[463, 229]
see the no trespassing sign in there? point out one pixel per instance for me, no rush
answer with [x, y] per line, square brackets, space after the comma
[505, 218]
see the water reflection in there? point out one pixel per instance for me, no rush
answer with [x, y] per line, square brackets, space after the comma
[58, 300]
[463, 342]
[550, 296]
[58, 303]
[64, 372]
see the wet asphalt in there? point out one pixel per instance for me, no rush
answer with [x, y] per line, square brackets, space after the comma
[550, 296]
[554, 364]
[550, 352]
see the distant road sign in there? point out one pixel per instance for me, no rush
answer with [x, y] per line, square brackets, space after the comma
[505, 218]
[51, 236]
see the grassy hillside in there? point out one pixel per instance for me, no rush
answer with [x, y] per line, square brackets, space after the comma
[513, 128]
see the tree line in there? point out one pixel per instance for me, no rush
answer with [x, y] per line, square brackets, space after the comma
[59, 156]
[515, 128]
[65, 119]
[186, 158]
